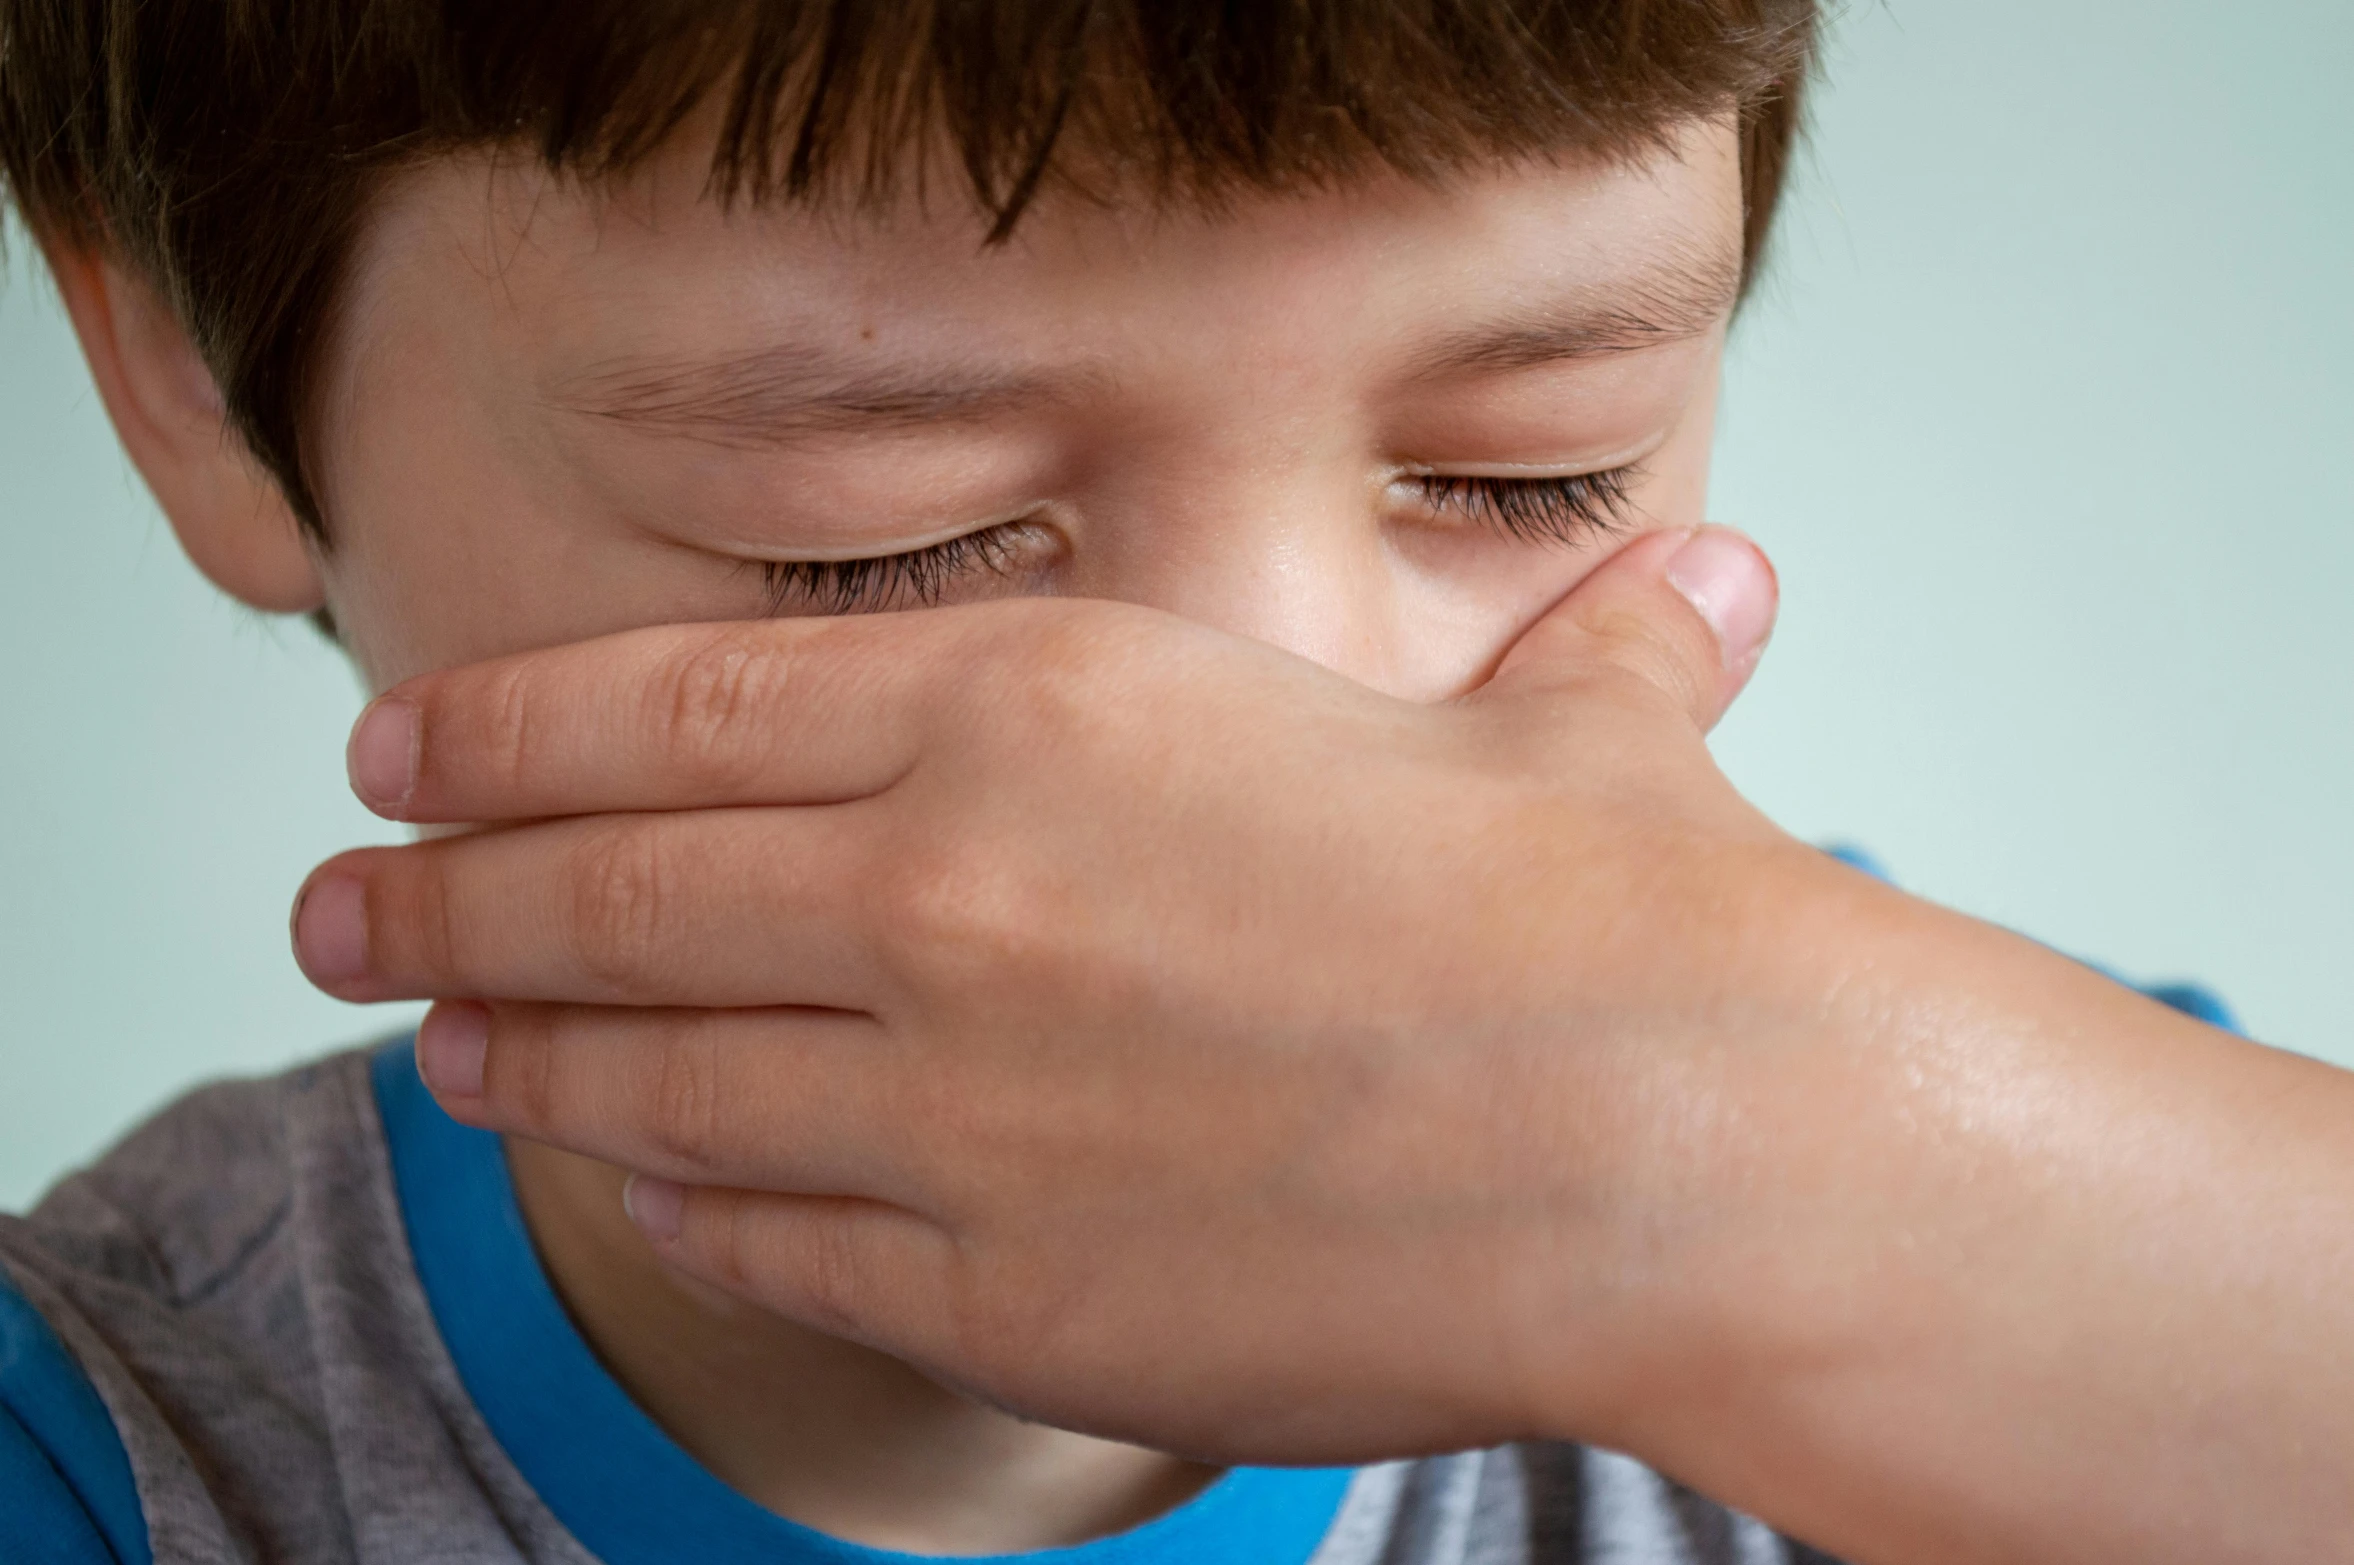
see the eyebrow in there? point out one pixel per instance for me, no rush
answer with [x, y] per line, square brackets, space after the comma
[1678, 299]
[774, 395]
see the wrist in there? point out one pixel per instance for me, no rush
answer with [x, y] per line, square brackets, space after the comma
[1916, 1210]
[1847, 1066]
[1700, 1109]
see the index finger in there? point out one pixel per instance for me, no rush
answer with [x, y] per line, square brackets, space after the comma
[801, 711]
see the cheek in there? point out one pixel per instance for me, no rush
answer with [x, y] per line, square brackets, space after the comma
[1454, 624]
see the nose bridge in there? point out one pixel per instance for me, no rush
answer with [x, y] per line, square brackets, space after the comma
[1270, 533]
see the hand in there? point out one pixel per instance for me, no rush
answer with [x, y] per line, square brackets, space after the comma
[1154, 1033]
[1006, 987]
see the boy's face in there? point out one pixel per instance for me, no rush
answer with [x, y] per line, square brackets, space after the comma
[1315, 420]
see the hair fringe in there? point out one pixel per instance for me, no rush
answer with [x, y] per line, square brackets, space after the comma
[228, 148]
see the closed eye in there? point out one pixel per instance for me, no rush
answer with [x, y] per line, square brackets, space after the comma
[1566, 509]
[917, 577]
[1555, 509]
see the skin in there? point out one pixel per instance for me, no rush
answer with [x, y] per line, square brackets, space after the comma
[996, 995]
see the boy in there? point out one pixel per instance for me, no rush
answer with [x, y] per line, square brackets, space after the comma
[733, 410]
[1366, 332]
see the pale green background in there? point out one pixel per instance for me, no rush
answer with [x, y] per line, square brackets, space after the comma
[2045, 417]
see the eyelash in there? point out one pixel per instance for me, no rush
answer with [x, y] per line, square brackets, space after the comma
[853, 586]
[1565, 510]
[1555, 510]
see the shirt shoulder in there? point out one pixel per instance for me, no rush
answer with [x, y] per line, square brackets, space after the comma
[184, 1200]
[160, 1333]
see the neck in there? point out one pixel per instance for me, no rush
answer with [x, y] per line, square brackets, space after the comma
[836, 1436]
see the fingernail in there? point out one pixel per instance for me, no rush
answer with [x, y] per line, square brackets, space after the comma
[452, 1043]
[654, 1205]
[331, 931]
[1726, 578]
[381, 758]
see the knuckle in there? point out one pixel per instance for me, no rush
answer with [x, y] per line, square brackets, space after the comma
[521, 1072]
[715, 1225]
[618, 889]
[785, 1252]
[1059, 674]
[835, 1277]
[510, 745]
[441, 923]
[416, 915]
[1085, 662]
[683, 1100]
[1068, 641]
[957, 912]
[709, 697]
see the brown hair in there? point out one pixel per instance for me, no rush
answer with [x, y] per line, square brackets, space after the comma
[227, 148]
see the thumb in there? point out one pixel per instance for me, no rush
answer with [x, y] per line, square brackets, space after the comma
[1686, 612]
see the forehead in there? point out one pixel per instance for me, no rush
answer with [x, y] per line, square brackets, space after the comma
[498, 261]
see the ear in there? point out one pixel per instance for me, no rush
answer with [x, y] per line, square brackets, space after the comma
[229, 513]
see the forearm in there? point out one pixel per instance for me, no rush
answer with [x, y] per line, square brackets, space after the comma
[2018, 1266]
